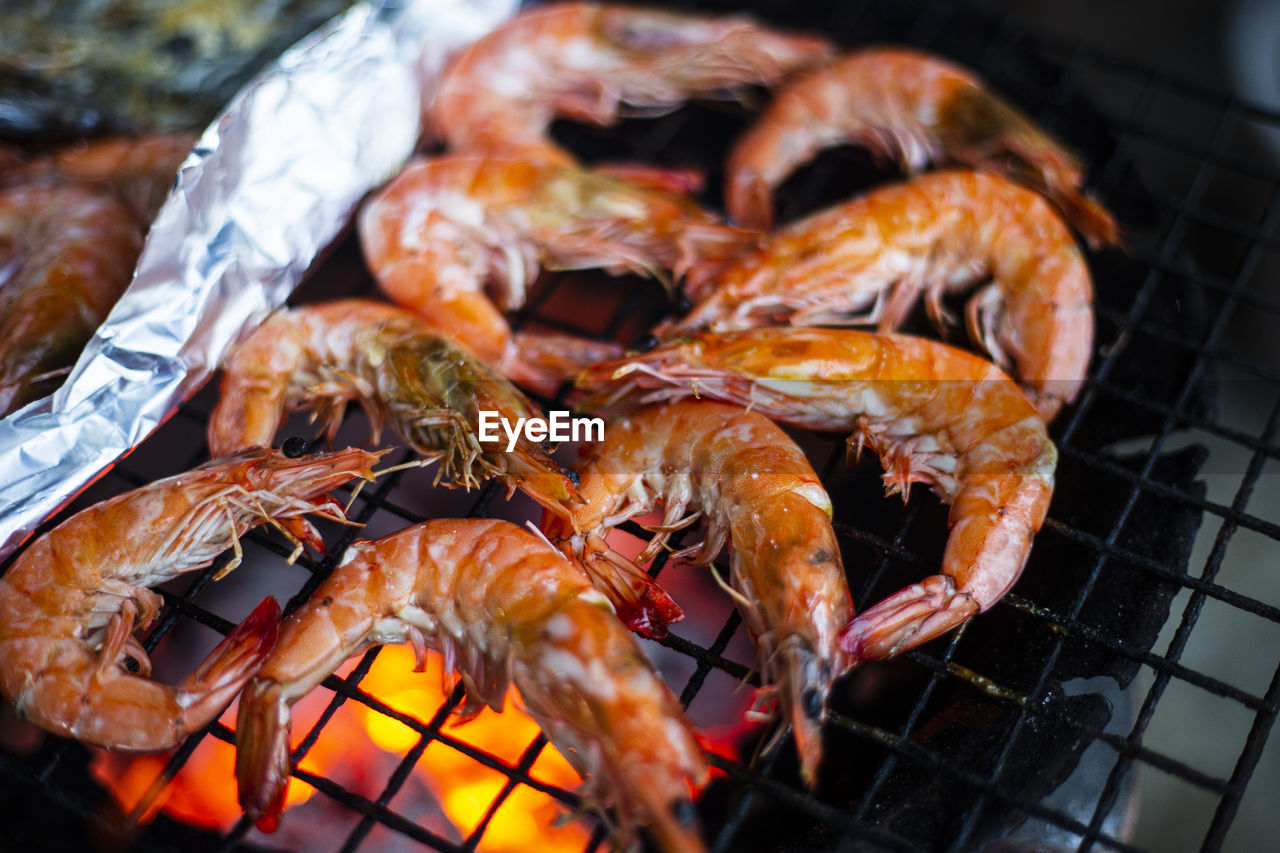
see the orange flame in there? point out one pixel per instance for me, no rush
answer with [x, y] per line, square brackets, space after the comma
[466, 789]
[203, 792]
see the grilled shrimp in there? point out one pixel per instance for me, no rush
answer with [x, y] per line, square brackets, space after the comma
[757, 490]
[932, 413]
[399, 370]
[917, 109]
[503, 608]
[66, 255]
[446, 227]
[935, 233]
[70, 603]
[588, 62]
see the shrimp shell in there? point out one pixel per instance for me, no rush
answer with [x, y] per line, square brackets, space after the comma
[400, 371]
[71, 601]
[588, 61]
[935, 233]
[756, 489]
[503, 608]
[446, 227]
[933, 414]
[917, 109]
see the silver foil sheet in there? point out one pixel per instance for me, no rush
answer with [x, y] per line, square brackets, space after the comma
[271, 183]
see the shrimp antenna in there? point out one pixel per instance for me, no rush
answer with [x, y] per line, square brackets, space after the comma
[738, 597]
[675, 525]
[412, 463]
[536, 531]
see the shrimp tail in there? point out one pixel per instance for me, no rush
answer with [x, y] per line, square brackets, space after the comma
[103, 705]
[262, 753]
[907, 618]
[211, 687]
[985, 132]
[1090, 218]
[1043, 166]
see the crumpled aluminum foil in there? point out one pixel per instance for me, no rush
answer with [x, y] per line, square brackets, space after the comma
[271, 183]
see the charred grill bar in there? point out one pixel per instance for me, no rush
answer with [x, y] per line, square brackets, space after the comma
[963, 740]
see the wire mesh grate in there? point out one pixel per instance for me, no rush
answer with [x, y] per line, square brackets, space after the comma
[908, 766]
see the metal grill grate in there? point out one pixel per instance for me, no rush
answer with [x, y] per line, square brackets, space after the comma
[965, 739]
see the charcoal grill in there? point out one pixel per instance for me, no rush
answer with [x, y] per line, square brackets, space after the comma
[965, 743]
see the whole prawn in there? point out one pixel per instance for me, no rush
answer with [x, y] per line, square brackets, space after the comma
[71, 601]
[502, 607]
[446, 227]
[756, 489]
[916, 108]
[935, 233]
[588, 61]
[399, 370]
[932, 413]
[66, 255]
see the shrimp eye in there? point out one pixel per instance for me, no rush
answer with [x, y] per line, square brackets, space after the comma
[812, 700]
[645, 343]
[573, 477]
[683, 811]
[294, 447]
[682, 304]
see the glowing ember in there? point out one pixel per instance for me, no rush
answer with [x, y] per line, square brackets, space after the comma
[203, 793]
[527, 818]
